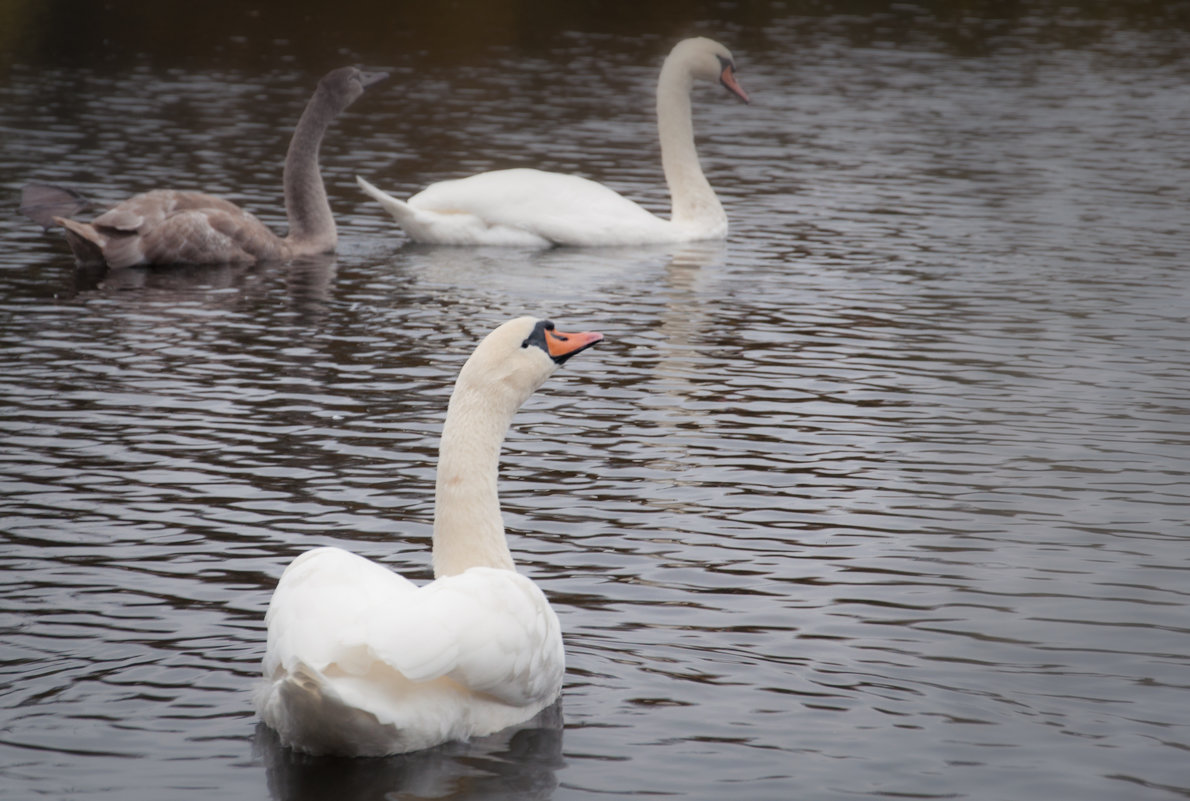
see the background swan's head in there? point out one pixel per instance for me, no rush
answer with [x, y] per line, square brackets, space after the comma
[345, 85]
[706, 60]
[513, 361]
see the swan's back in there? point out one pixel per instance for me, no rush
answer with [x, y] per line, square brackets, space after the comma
[168, 226]
[560, 209]
[361, 661]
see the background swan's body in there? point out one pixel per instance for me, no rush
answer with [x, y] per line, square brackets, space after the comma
[167, 226]
[362, 662]
[536, 208]
[524, 207]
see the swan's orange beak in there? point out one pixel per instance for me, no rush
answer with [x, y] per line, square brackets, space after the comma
[727, 78]
[561, 346]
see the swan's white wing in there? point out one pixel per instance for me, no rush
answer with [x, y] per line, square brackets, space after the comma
[561, 209]
[450, 228]
[504, 638]
[321, 611]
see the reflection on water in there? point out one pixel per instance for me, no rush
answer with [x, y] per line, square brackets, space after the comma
[885, 495]
[308, 283]
[516, 764]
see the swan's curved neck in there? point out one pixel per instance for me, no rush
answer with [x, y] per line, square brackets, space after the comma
[694, 201]
[468, 528]
[311, 224]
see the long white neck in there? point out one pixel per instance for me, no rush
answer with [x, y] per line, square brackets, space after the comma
[311, 223]
[468, 528]
[694, 201]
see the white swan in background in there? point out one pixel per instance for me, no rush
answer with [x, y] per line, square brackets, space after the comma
[362, 662]
[534, 208]
[167, 226]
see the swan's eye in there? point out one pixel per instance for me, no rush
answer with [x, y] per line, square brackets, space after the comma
[525, 344]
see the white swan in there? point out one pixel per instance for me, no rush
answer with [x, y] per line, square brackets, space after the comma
[168, 226]
[362, 662]
[537, 209]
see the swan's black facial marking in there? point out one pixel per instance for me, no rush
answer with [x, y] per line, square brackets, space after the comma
[537, 337]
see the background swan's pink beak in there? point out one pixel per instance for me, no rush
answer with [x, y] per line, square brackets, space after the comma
[727, 78]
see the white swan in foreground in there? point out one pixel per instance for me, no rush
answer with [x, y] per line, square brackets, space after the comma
[362, 662]
[167, 226]
[533, 208]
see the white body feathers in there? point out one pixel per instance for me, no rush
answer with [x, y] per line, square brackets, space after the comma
[527, 208]
[361, 661]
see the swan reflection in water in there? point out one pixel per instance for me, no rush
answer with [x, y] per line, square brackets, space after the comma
[517, 763]
[308, 283]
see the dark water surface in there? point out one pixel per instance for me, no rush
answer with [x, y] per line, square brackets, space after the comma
[886, 496]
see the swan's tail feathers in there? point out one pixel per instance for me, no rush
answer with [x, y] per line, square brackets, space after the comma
[399, 209]
[43, 203]
[85, 242]
[310, 716]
